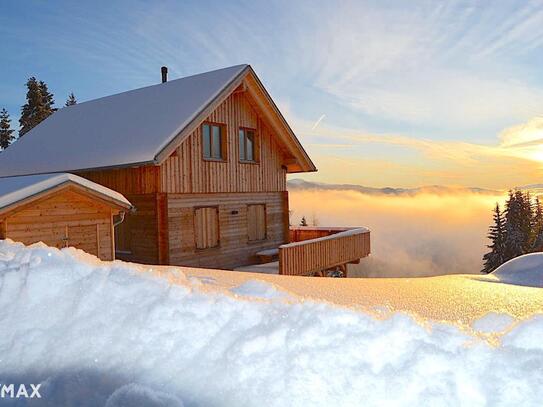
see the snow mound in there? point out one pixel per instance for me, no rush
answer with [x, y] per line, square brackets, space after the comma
[114, 334]
[493, 323]
[526, 270]
[134, 395]
[259, 289]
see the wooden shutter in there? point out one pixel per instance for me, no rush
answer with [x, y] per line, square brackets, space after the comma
[256, 222]
[206, 227]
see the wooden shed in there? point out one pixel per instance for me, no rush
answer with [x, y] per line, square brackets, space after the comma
[61, 210]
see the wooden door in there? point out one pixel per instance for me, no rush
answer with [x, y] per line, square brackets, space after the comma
[84, 238]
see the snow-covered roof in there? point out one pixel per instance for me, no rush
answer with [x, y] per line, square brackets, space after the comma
[132, 128]
[123, 129]
[16, 189]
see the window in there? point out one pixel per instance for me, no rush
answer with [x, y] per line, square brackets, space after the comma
[206, 227]
[247, 145]
[213, 141]
[256, 222]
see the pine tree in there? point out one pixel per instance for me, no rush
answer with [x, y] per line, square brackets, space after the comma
[48, 99]
[38, 106]
[71, 100]
[518, 221]
[526, 220]
[303, 222]
[537, 226]
[497, 235]
[6, 132]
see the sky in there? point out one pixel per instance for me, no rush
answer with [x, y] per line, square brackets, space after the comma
[380, 93]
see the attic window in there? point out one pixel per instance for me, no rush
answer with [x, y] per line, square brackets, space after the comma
[213, 141]
[247, 145]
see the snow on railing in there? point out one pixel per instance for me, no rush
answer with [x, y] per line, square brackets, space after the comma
[328, 247]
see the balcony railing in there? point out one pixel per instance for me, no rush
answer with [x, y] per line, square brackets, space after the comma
[314, 250]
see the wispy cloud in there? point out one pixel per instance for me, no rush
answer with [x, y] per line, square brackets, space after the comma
[319, 120]
[513, 159]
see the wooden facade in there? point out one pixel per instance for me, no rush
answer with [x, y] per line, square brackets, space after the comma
[170, 197]
[63, 218]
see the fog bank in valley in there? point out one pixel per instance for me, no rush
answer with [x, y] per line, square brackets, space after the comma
[422, 234]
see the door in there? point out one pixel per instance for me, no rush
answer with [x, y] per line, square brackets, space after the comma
[84, 238]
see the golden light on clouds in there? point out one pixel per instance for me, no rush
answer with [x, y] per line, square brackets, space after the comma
[353, 156]
[430, 232]
[525, 140]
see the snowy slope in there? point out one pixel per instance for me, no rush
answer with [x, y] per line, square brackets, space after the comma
[115, 334]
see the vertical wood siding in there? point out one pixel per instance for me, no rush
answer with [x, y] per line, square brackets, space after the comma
[187, 172]
[140, 180]
[139, 233]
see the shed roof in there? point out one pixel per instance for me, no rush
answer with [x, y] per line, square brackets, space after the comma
[16, 189]
[133, 128]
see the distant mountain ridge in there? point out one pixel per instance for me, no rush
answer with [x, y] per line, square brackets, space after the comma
[299, 184]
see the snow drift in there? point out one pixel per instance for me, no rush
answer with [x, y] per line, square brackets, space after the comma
[524, 270]
[115, 334]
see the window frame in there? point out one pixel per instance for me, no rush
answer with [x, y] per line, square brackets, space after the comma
[249, 241]
[256, 145]
[223, 138]
[217, 209]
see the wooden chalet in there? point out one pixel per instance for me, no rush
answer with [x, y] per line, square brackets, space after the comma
[204, 160]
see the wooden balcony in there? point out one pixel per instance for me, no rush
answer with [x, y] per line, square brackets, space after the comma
[316, 250]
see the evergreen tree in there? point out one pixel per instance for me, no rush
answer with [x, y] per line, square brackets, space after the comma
[497, 236]
[518, 221]
[537, 226]
[71, 100]
[526, 220]
[48, 99]
[303, 222]
[6, 132]
[38, 106]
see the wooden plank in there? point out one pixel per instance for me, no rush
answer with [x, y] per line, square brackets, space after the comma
[317, 254]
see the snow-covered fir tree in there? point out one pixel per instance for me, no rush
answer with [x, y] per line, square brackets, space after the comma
[496, 233]
[518, 220]
[71, 100]
[6, 132]
[38, 106]
[537, 226]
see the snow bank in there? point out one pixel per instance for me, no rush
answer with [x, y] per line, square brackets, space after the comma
[112, 334]
[526, 270]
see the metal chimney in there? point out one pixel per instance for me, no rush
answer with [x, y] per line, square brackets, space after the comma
[164, 71]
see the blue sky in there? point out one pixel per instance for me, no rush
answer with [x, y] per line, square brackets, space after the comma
[407, 93]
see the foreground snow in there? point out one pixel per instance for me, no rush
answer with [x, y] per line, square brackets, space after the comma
[116, 334]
